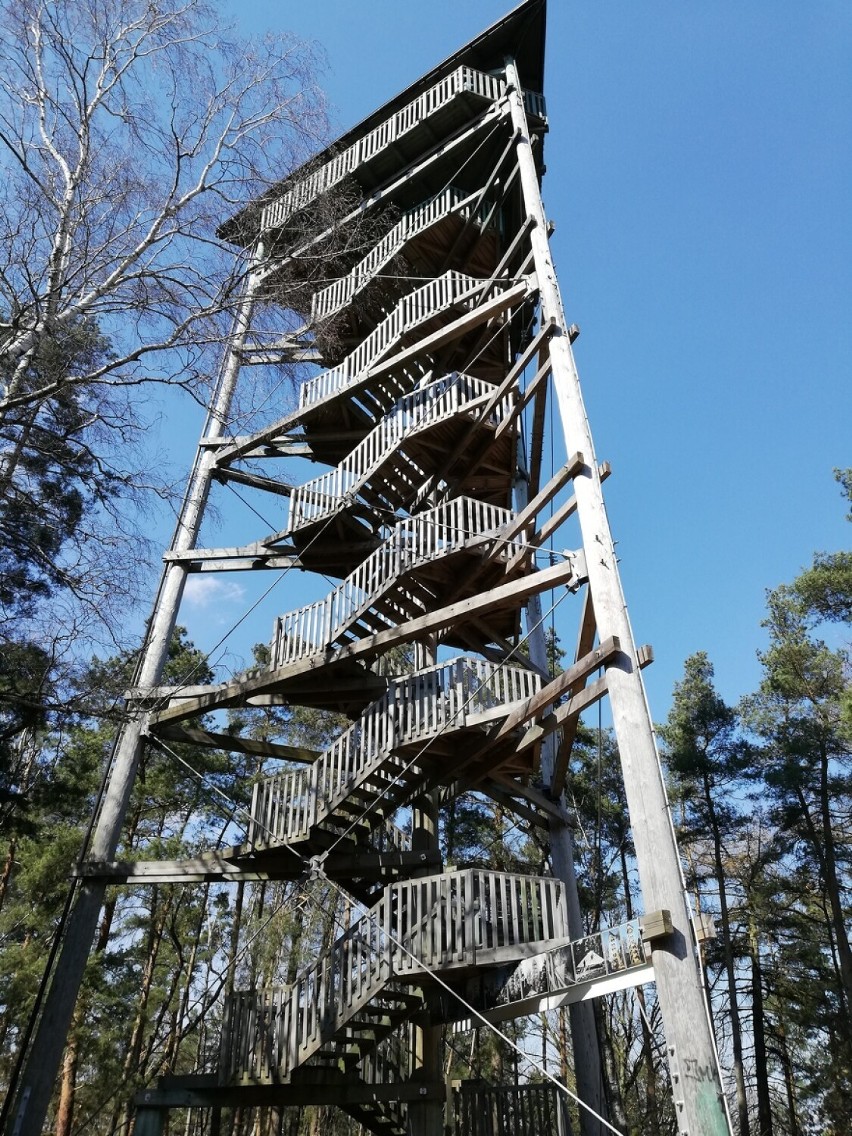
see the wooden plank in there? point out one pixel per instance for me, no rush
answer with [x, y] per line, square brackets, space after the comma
[237, 744]
[506, 595]
[254, 481]
[565, 510]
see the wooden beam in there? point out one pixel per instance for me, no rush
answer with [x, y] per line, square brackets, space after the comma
[502, 796]
[583, 699]
[558, 686]
[329, 1087]
[537, 429]
[585, 639]
[267, 484]
[512, 594]
[454, 330]
[579, 992]
[279, 864]
[566, 510]
[538, 380]
[257, 549]
[236, 744]
[575, 706]
[532, 795]
[528, 514]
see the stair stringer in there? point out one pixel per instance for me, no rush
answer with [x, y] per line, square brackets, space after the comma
[438, 401]
[453, 921]
[428, 537]
[291, 807]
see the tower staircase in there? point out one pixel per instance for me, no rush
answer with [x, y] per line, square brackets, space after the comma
[342, 1006]
[381, 761]
[452, 203]
[431, 408]
[385, 471]
[435, 112]
[414, 316]
[403, 578]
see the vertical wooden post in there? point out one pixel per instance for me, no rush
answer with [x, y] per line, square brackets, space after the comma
[426, 1117]
[693, 1061]
[584, 1034]
[42, 1063]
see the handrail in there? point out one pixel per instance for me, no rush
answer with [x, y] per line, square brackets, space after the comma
[463, 79]
[286, 806]
[337, 294]
[450, 289]
[431, 923]
[432, 403]
[414, 541]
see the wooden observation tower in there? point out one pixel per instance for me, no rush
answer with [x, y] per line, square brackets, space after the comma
[424, 497]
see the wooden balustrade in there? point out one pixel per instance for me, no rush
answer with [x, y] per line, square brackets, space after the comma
[452, 695]
[414, 541]
[451, 289]
[456, 919]
[339, 293]
[462, 80]
[439, 401]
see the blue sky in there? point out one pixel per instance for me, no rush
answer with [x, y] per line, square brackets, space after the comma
[699, 173]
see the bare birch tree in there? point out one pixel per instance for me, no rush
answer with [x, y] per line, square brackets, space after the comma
[129, 131]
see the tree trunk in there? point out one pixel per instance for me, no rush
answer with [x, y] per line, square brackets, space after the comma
[832, 884]
[7, 872]
[67, 1085]
[647, 1051]
[789, 1083]
[764, 1102]
[728, 952]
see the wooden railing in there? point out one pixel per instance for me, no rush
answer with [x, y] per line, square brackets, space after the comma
[413, 542]
[453, 288]
[463, 79]
[456, 919]
[338, 294]
[440, 400]
[462, 692]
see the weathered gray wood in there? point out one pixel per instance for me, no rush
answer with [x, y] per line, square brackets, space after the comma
[454, 330]
[237, 744]
[230, 694]
[699, 1097]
